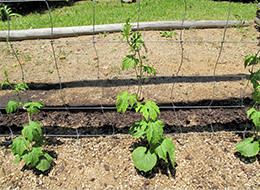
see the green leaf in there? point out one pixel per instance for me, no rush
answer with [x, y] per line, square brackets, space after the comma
[165, 147]
[251, 60]
[126, 30]
[44, 162]
[254, 78]
[250, 112]
[32, 132]
[136, 41]
[143, 159]
[33, 156]
[48, 157]
[255, 116]
[19, 146]
[21, 86]
[149, 109]
[256, 96]
[124, 100]
[154, 131]
[17, 159]
[12, 106]
[138, 128]
[248, 147]
[149, 70]
[129, 61]
[33, 107]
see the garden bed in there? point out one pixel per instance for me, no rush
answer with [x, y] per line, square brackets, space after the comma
[207, 160]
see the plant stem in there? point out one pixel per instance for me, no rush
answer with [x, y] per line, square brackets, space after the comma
[29, 117]
[140, 76]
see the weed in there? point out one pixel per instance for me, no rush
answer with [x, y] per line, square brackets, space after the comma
[28, 57]
[169, 35]
[114, 49]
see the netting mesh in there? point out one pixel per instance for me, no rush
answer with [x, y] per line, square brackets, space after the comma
[95, 86]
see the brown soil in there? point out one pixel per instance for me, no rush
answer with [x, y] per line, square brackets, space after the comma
[207, 160]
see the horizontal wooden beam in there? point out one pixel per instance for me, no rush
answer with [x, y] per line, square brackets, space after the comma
[87, 30]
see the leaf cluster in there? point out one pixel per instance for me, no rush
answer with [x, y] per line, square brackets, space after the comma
[168, 35]
[149, 128]
[250, 146]
[6, 11]
[28, 146]
[135, 60]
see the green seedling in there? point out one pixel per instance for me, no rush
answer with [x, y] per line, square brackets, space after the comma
[148, 128]
[28, 146]
[28, 57]
[114, 49]
[250, 146]
[168, 35]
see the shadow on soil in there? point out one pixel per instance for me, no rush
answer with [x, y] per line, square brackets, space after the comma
[130, 82]
[247, 160]
[106, 130]
[39, 172]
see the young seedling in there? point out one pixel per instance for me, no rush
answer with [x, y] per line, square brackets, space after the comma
[168, 35]
[250, 146]
[149, 128]
[28, 146]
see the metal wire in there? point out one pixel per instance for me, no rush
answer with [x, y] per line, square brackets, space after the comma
[181, 63]
[15, 53]
[56, 66]
[145, 41]
[111, 135]
[102, 87]
[215, 67]
[174, 107]
[161, 107]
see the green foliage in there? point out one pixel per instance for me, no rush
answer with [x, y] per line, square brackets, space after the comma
[12, 106]
[110, 12]
[6, 11]
[143, 159]
[124, 100]
[168, 35]
[149, 109]
[33, 107]
[149, 128]
[250, 146]
[28, 146]
[129, 61]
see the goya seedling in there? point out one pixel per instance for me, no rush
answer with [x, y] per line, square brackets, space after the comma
[149, 128]
[28, 146]
[250, 146]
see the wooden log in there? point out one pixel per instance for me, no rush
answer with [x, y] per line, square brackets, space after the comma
[86, 30]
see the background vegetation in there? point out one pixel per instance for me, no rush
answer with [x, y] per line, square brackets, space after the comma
[79, 13]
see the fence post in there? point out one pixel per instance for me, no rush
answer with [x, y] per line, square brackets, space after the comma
[257, 18]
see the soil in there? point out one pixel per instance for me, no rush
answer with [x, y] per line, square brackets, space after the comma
[205, 138]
